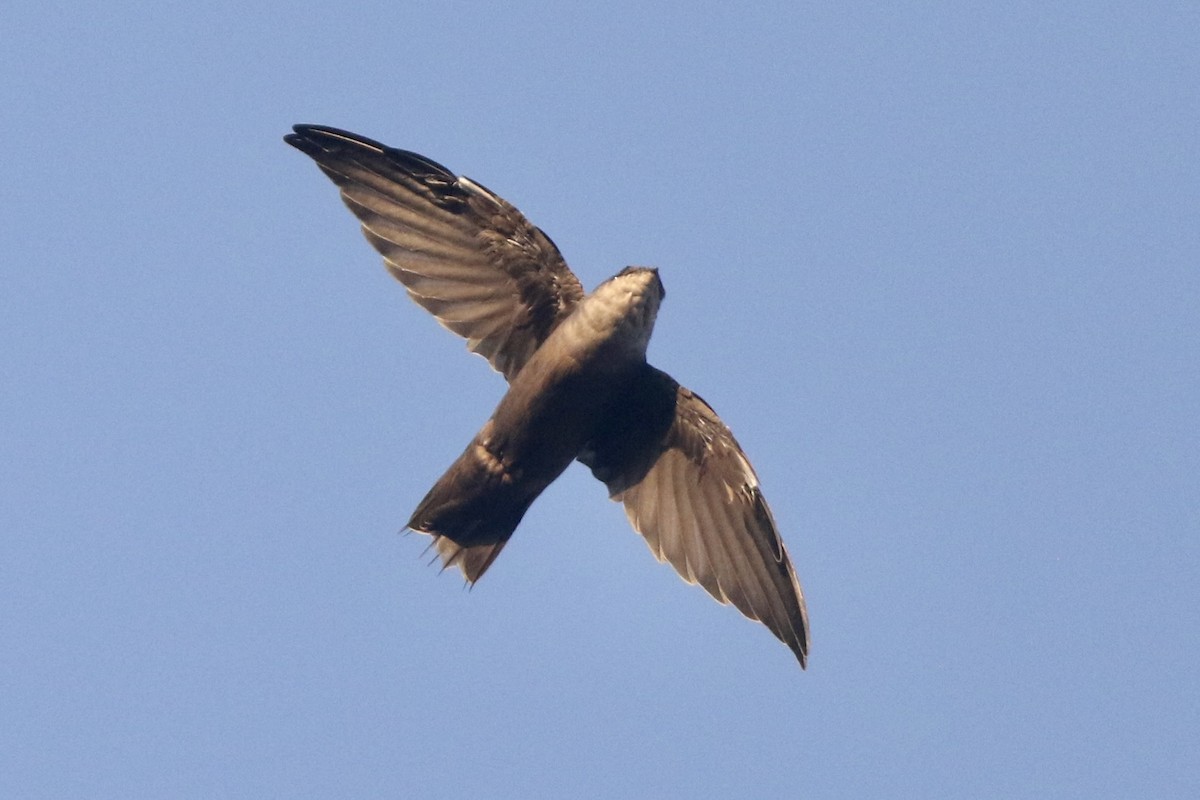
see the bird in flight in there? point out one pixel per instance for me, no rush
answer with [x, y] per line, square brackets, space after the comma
[579, 386]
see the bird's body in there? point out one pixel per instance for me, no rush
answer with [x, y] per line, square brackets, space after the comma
[553, 409]
[579, 386]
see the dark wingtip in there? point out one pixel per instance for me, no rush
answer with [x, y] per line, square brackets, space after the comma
[302, 139]
[317, 138]
[799, 642]
[319, 141]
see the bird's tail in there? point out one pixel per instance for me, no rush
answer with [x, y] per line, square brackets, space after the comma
[472, 511]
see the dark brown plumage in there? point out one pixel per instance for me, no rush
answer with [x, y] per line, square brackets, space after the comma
[579, 386]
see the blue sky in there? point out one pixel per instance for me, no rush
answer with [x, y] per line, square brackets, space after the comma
[936, 265]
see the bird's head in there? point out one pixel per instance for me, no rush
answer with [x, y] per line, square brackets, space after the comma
[637, 293]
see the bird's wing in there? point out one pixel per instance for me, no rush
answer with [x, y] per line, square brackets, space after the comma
[462, 252]
[689, 490]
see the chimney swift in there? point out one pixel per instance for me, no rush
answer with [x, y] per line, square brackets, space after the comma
[579, 386]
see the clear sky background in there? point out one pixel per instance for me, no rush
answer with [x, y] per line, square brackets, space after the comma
[936, 264]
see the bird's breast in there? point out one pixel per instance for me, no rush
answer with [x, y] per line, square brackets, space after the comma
[554, 404]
